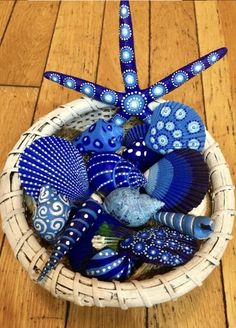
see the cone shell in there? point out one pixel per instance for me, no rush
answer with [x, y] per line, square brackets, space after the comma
[56, 162]
[108, 265]
[130, 207]
[108, 171]
[160, 246]
[175, 126]
[180, 180]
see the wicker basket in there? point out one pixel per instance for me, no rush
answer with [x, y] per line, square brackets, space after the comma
[74, 287]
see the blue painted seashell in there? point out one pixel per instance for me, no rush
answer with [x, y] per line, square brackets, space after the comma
[160, 246]
[56, 162]
[82, 220]
[198, 227]
[100, 137]
[140, 155]
[180, 180]
[130, 207]
[175, 126]
[108, 265]
[108, 171]
[83, 250]
[136, 133]
[51, 213]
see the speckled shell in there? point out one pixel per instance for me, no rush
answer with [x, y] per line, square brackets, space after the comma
[100, 137]
[160, 246]
[140, 155]
[108, 171]
[51, 213]
[130, 207]
[175, 126]
[56, 162]
[136, 133]
[108, 265]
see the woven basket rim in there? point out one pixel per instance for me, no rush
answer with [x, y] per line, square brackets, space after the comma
[71, 286]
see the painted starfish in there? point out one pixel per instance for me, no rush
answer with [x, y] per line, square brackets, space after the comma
[134, 101]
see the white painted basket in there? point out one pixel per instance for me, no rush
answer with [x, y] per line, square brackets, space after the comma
[72, 286]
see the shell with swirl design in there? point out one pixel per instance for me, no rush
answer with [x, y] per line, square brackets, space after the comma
[51, 213]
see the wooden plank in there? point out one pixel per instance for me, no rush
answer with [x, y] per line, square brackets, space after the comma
[216, 25]
[25, 46]
[173, 44]
[24, 304]
[17, 105]
[109, 75]
[74, 50]
[6, 8]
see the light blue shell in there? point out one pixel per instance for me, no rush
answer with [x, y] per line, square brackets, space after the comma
[51, 213]
[175, 126]
[100, 137]
[130, 207]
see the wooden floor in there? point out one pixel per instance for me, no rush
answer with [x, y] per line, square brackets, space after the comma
[80, 38]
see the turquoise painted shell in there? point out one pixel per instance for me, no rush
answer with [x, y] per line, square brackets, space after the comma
[130, 207]
[108, 171]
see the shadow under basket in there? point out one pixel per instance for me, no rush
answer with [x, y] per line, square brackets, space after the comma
[73, 287]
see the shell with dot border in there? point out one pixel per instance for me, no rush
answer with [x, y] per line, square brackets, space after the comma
[109, 171]
[54, 161]
[160, 246]
[81, 221]
[100, 137]
[51, 214]
[108, 265]
[175, 126]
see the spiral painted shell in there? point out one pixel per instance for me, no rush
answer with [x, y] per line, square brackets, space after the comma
[107, 172]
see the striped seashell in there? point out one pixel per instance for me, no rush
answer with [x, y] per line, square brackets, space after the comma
[180, 180]
[83, 219]
[108, 265]
[198, 227]
[160, 246]
[56, 162]
[107, 172]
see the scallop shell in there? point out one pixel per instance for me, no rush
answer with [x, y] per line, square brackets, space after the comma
[136, 133]
[130, 207]
[108, 171]
[175, 126]
[108, 265]
[56, 162]
[160, 246]
[180, 180]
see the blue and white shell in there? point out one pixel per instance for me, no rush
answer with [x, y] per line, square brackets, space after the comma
[51, 214]
[100, 137]
[56, 162]
[130, 207]
[108, 171]
[175, 126]
[108, 265]
[136, 133]
[160, 246]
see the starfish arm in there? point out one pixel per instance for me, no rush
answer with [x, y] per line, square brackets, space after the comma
[92, 90]
[127, 53]
[179, 77]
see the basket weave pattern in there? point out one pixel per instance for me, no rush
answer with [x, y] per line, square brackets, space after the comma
[72, 286]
